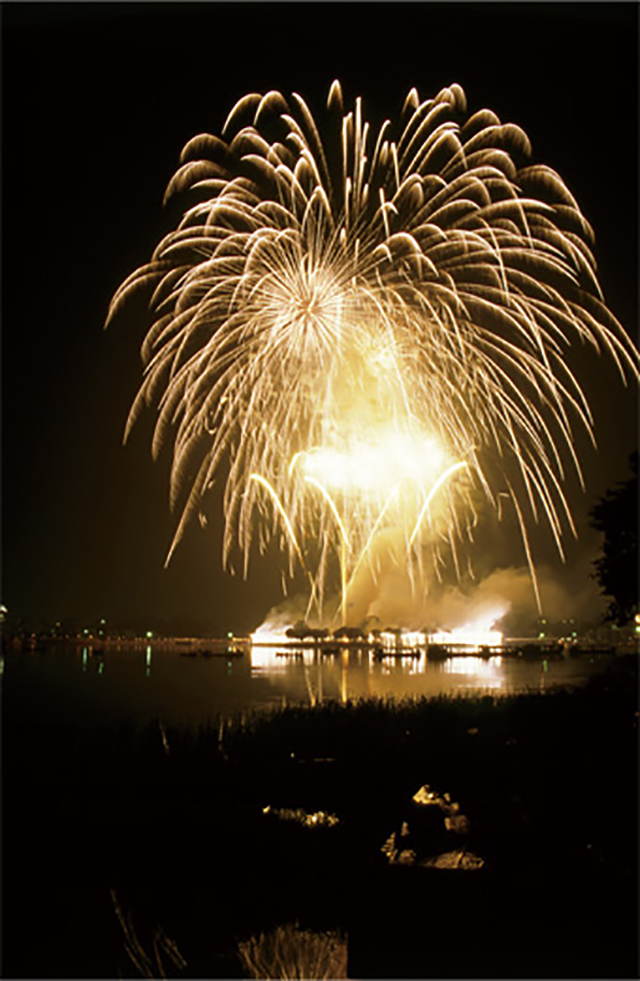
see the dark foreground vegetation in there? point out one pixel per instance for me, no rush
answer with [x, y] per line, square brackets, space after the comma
[173, 825]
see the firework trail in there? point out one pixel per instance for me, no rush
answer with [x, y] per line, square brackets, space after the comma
[354, 330]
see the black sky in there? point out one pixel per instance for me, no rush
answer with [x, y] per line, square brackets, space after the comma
[98, 100]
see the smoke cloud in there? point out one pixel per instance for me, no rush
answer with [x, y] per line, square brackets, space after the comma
[506, 598]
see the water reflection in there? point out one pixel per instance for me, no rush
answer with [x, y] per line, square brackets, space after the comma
[157, 681]
[275, 660]
[98, 655]
[480, 672]
[356, 672]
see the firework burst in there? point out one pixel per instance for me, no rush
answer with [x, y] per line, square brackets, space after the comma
[356, 332]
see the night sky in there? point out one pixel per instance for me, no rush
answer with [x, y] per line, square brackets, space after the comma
[98, 101]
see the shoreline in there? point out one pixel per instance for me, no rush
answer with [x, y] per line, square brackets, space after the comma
[526, 647]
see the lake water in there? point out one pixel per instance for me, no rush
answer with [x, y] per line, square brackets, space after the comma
[80, 685]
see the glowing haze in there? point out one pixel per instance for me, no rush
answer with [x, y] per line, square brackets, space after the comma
[363, 336]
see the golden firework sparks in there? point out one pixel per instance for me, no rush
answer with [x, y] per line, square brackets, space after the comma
[369, 329]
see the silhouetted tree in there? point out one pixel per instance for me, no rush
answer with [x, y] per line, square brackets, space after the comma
[298, 631]
[349, 633]
[616, 514]
[318, 633]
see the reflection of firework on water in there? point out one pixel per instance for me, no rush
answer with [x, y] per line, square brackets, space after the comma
[364, 334]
